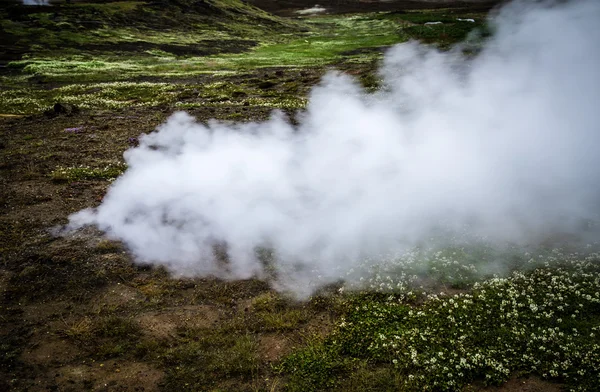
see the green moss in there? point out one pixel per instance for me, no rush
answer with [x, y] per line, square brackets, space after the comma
[316, 367]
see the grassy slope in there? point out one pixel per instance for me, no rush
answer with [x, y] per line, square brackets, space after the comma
[95, 318]
[62, 62]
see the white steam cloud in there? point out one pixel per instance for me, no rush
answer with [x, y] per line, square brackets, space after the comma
[503, 146]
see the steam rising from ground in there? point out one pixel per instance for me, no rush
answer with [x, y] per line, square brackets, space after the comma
[501, 148]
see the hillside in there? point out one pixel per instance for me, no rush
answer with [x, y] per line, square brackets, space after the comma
[177, 27]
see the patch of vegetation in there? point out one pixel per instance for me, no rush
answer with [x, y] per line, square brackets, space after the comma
[56, 276]
[431, 269]
[96, 96]
[80, 173]
[270, 313]
[80, 330]
[156, 291]
[316, 367]
[268, 302]
[444, 34]
[217, 292]
[329, 40]
[544, 322]
[101, 76]
[442, 28]
[108, 27]
[105, 337]
[202, 358]
[284, 94]
[282, 320]
[108, 246]
[116, 336]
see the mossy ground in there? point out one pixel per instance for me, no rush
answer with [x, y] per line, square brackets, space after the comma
[78, 314]
[187, 64]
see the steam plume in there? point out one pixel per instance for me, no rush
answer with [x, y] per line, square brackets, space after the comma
[503, 146]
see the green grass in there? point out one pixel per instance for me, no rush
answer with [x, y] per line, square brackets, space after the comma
[329, 38]
[269, 313]
[105, 336]
[106, 78]
[103, 81]
[184, 22]
[544, 322]
[316, 367]
[202, 358]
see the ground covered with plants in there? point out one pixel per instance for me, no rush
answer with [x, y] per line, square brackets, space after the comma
[80, 81]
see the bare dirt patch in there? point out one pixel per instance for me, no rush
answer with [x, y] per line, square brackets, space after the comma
[116, 296]
[165, 322]
[51, 351]
[273, 347]
[110, 376]
[44, 311]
